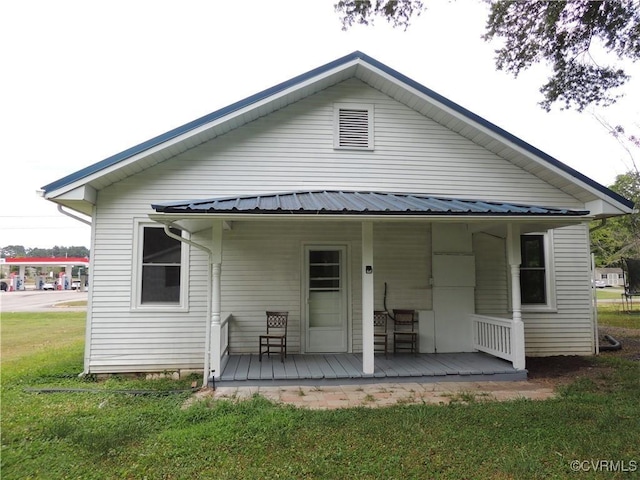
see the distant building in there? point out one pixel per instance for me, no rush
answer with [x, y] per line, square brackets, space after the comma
[613, 277]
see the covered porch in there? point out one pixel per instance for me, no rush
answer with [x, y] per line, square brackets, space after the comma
[328, 369]
[467, 344]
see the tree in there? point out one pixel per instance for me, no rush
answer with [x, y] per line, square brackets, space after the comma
[11, 251]
[563, 33]
[620, 236]
[363, 12]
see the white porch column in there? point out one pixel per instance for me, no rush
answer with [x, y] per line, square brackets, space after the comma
[517, 330]
[216, 294]
[367, 298]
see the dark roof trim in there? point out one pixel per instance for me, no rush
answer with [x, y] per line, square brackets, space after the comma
[357, 203]
[306, 76]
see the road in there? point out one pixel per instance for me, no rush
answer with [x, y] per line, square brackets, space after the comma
[40, 301]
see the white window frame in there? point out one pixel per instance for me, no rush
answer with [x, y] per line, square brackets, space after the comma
[136, 273]
[336, 125]
[550, 276]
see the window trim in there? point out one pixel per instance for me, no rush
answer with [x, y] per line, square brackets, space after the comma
[337, 107]
[550, 291]
[136, 272]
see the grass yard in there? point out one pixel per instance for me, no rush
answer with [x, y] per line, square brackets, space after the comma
[101, 434]
[613, 316]
[609, 293]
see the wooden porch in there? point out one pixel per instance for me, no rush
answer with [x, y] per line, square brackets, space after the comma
[347, 369]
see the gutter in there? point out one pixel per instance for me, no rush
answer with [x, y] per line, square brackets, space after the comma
[207, 348]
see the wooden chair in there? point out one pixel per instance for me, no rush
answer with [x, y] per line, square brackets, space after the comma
[276, 337]
[380, 338]
[405, 336]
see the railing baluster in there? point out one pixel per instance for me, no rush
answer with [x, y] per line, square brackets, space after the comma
[492, 335]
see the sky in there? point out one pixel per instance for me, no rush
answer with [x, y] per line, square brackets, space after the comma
[84, 80]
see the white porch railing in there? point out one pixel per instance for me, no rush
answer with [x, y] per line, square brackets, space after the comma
[220, 345]
[224, 336]
[493, 335]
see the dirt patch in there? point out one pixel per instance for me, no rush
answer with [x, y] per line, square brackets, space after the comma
[561, 370]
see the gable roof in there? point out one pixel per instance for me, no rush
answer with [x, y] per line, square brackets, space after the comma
[354, 203]
[368, 70]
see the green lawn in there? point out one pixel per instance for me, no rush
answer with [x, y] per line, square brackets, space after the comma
[106, 435]
[609, 293]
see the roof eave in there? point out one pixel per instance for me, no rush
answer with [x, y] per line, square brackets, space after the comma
[195, 222]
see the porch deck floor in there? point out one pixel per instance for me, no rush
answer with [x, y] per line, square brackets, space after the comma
[347, 369]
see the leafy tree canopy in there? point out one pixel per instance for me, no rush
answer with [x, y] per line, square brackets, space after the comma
[11, 251]
[561, 33]
[363, 12]
[619, 237]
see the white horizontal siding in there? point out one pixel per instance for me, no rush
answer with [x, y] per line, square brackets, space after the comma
[568, 330]
[492, 275]
[263, 265]
[292, 149]
[565, 330]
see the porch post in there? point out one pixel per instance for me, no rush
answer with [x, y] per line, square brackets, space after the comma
[216, 271]
[517, 330]
[367, 298]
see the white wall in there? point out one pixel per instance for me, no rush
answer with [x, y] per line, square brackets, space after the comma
[291, 149]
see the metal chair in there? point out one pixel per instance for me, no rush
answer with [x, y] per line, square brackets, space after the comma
[405, 336]
[380, 338]
[276, 321]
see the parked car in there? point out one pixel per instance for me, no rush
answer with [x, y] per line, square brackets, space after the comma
[4, 287]
[75, 285]
[48, 286]
[600, 284]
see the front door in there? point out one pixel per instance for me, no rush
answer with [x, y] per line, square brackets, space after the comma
[326, 299]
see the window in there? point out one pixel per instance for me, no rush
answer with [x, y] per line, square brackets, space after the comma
[160, 274]
[353, 126]
[533, 271]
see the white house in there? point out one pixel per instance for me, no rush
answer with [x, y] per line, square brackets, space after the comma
[609, 277]
[316, 197]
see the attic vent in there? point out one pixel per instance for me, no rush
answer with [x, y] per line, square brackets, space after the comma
[354, 126]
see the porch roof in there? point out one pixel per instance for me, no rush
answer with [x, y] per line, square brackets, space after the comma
[358, 203]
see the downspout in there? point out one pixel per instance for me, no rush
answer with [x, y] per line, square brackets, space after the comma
[594, 295]
[75, 217]
[207, 346]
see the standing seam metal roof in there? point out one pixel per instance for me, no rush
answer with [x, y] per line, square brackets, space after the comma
[343, 202]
